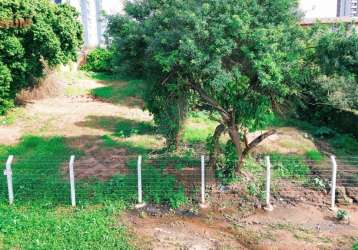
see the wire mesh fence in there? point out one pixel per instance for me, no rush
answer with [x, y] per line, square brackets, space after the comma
[173, 180]
[165, 180]
[295, 179]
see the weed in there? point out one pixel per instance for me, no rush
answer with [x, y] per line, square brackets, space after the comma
[319, 184]
[342, 215]
[289, 166]
[314, 155]
[11, 116]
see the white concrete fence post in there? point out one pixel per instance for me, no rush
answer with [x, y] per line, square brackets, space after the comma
[268, 206]
[139, 183]
[202, 189]
[334, 180]
[8, 173]
[72, 181]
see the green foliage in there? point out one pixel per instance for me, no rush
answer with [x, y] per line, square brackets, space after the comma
[287, 166]
[314, 155]
[98, 60]
[319, 184]
[236, 59]
[343, 144]
[329, 76]
[342, 215]
[162, 189]
[324, 132]
[52, 39]
[226, 165]
[355, 246]
[38, 227]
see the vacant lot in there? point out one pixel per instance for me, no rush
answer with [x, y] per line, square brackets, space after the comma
[100, 119]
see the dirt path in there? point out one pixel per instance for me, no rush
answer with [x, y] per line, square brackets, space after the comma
[68, 115]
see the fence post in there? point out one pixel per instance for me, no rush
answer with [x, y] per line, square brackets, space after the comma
[202, 189]
[268, 206]
[8, 173]
[139, 185]
[334, 180]
[72, 181]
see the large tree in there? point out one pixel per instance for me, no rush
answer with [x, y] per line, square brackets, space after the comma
[238, 59]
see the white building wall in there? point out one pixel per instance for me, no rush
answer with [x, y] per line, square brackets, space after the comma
[319, 8]
[92, 18]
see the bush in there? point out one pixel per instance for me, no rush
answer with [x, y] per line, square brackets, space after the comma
[98, 60]
[53, 38]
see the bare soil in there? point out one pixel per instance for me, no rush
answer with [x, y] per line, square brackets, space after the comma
[301, 226]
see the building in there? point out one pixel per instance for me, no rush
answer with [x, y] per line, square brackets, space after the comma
[92, 17]
[333, 21]
[318, 8]
[347, 8]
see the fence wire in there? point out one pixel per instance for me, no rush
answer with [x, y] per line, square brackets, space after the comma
[293, 179]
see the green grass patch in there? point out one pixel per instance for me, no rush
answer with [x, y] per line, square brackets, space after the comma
[42, 218]
[38, 227]
[198, 127]
[314, 155]
[289, 166]
[119, 89]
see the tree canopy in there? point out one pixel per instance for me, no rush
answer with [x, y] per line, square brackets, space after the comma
[53, 38]
[238, 59]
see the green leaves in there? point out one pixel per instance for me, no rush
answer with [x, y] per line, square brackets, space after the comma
[52, 39]
[239, 54]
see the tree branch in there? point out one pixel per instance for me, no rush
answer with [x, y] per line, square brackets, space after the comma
[211, 101]
[257, 141]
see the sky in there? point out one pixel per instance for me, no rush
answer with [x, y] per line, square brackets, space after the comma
[319, 8]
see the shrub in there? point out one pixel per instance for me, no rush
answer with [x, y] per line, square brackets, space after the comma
[53, 38]
[324, 132]
[98, 60]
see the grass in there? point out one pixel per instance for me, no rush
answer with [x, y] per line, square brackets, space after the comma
[42, 218]
[11, 116]
[343, 144]
[119, 89]
[289, 166]
[38, 227]
[198, 127]
[314, 155]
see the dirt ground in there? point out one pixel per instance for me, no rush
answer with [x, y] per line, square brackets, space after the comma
[287, 227]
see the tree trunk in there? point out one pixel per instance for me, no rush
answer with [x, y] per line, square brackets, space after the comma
[235, 138]
[215, 145]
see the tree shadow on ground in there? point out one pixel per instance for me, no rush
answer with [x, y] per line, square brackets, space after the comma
[119, 127]
[119, 90]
